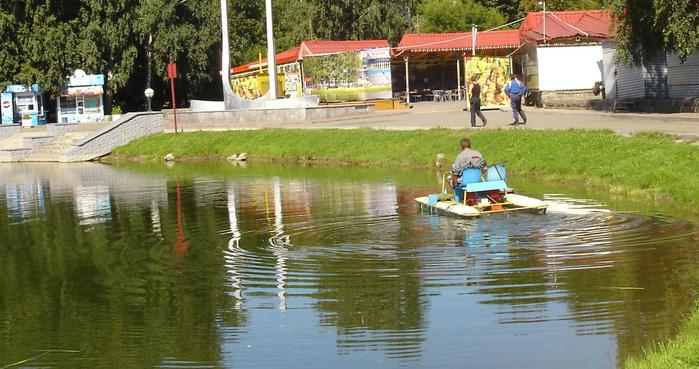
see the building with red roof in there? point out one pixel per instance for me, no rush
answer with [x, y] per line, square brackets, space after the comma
[581, 24]
[312, 48]
[434, 62]
[450, 42]
[562, 53]
[250, 80]
[557, 53]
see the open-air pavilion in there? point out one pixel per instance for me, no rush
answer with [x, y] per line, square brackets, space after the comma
[433, 63]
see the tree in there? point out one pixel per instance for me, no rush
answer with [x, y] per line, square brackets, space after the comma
[510, 9]
[44, 42]
[456, 16]
[560, 5]
[645, 28]
[294, 22]
[106, 44]
[187, 33]
[9, 62]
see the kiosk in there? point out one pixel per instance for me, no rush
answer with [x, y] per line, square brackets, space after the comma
[81, 98]
[23, 104]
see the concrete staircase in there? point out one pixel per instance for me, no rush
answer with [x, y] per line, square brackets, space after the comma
[16, 147]
[71, 142]
[44, 143]
[57, 148]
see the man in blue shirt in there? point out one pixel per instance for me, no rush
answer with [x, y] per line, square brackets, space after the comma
[515, 89]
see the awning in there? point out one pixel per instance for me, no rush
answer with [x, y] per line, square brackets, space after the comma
[82, 91]
[439, 42]
[580, 23]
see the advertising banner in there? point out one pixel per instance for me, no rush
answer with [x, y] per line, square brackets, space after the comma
[350, 76]
[492, 73]
[292, 79]
[8, 108]
[253, 85]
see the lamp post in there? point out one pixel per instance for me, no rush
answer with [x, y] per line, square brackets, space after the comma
[149, 95]
[543, 3]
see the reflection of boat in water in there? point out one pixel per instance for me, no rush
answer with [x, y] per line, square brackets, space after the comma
[476, 196]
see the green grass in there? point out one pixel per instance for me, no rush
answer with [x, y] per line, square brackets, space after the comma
[680, 353]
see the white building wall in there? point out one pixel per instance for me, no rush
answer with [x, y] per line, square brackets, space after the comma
[630, 82]
[683, 77]
[609, 70]
[569, 68]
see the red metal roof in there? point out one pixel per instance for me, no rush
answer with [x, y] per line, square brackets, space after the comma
[583, 23]
[309, 48]
[284, 57]
[430, 42]
[320, 47]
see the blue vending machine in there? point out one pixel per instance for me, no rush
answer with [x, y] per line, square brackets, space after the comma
[23, 104]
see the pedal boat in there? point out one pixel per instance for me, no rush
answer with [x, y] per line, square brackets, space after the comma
[476, 196]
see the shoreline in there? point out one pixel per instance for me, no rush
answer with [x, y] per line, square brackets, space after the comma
[647, 165]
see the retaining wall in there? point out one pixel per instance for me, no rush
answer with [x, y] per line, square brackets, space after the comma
[191, 121]
[9, 130]
[101, 142]
[58, 129]
[639, 105]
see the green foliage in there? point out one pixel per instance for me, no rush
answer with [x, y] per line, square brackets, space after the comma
[680, 353]
[508, 8]
[363, 19]
[645, 28]
[456, 16]
[44, 41]
[557, 5]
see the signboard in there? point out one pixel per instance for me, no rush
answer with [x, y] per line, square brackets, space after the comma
[172, 70]
[492, 73]
[80, 78]
[8, 113]
[292, 79]
[82, 91]
[351, 76]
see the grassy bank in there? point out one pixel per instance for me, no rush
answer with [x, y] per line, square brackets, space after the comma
[680, 353]
[647, 164]
[644, 165]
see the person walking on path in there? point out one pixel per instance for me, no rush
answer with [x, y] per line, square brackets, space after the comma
[515, 89]
[476, 105]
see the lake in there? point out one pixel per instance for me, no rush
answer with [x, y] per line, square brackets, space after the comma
[285, 266]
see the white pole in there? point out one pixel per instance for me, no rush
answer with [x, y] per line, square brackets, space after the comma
[474, 32]
[225, 58]
[458, 75]
[407, 82]
[271, 62]
[544, 21]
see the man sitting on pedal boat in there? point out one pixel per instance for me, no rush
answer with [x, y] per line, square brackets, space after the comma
[467, 158]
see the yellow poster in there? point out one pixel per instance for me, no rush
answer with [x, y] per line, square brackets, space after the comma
[492, 73]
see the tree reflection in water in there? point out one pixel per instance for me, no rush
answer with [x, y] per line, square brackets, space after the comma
[135, 270]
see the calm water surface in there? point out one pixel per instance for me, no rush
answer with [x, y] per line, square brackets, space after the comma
[219, 266]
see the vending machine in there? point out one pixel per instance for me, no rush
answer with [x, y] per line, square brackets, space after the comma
[23, 104]
[8, 108]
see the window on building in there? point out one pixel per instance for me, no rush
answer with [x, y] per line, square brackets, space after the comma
[68, 105]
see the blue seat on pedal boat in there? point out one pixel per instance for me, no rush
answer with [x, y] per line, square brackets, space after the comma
[471, 181]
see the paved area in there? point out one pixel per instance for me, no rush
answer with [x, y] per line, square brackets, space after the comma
[451, 115]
